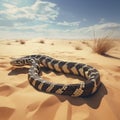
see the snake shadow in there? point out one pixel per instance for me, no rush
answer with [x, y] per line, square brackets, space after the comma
[92, 101]
[24, 70]
[16, 71]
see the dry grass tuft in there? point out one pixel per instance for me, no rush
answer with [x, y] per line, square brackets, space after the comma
[16, 40]
[8, 43]
[52, 43]
[77, 48]
[102, 45]
[86, 43]
[22, 42]
[42, 41]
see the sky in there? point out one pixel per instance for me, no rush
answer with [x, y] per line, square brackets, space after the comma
[67, 19]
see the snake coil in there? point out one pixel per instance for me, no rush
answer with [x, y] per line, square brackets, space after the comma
[85, 88]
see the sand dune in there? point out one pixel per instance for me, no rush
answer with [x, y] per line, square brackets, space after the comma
[19, 101]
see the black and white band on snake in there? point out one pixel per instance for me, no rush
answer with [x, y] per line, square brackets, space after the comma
[85, 88]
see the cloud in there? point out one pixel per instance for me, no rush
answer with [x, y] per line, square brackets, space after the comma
[107, 26]
[38, 18]
[40, 10]
[101, 30]
[44, 30]
[6, 23]
[34, 28]
[65, 23]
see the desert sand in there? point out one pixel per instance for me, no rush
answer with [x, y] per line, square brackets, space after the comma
[20, 101]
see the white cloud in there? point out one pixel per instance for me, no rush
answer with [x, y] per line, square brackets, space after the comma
[107, 26]
[25, 31]
[65, 23]
[38, 19]
[101, 30]
[40, 10]
[35, 28]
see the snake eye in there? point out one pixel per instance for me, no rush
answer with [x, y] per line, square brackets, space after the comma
[19, 63]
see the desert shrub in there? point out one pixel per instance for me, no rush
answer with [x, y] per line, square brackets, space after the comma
[78, 48]
[22, 42]
[8, 43]
[102, 45]
[52, 43]
[42, 41]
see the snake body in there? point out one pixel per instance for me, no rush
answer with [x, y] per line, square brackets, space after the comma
[85, 88]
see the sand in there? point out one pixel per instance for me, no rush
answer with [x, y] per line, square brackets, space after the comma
[19, 101]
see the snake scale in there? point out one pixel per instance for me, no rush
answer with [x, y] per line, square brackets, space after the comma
[85, 88]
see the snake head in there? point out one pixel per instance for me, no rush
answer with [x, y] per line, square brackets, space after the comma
[17, 62]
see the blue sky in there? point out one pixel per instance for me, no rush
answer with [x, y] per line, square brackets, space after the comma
[70, 19]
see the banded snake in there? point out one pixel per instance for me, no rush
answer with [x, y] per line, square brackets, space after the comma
[85, 88]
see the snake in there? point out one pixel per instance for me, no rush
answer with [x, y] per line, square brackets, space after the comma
[86, 87]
